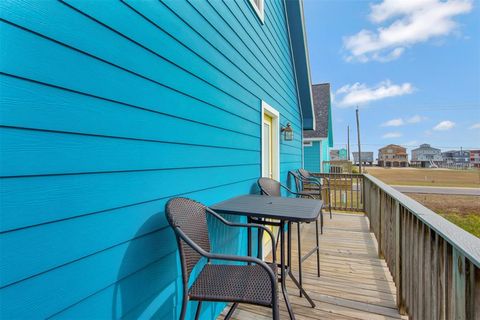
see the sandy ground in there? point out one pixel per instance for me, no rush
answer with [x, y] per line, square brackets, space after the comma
[427, 177]
[451, 204]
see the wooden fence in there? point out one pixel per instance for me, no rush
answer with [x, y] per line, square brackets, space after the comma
[346, 190]
[434, 263]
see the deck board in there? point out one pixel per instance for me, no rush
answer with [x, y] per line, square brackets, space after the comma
[354, 282]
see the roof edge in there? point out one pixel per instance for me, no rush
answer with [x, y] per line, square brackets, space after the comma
[301, 63]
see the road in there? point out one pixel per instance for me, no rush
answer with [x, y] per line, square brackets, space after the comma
[439, 190]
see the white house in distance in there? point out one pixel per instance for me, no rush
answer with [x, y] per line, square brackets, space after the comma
[367, 158]
[425, 156]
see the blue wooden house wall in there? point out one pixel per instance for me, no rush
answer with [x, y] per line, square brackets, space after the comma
[316, 154]
[312, 156]
[325, 155]
[108, 109]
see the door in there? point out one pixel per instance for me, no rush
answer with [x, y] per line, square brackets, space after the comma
[270, 155]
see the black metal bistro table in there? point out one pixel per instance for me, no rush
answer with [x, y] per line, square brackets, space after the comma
[283, 209]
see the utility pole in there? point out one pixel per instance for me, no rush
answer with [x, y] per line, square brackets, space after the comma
[359, 148]
[348, 143]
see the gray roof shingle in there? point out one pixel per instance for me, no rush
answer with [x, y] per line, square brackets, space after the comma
[321, 103]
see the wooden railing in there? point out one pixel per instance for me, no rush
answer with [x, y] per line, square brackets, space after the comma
[435, 264]
[346, 190]
[337, 166]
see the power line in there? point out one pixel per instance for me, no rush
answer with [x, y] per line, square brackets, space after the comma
[440, 108]
[405, 145]
[434, 108]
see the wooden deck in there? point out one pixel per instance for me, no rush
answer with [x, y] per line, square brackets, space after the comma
[354, 282]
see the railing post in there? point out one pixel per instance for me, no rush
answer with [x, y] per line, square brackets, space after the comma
[379, 231]
[475, 293]
[459, 285]
[373, 207]
[363, 192]
[398, 258]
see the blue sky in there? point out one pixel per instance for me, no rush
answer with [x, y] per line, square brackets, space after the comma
[413, 67]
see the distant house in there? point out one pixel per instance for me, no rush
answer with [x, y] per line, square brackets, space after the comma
[366, 157]
[475, 158]
[456, 158]
[338, 154]
[426, 156]
[393, 156]
[317, 143]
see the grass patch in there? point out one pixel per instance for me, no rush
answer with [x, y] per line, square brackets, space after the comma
[464, 211]
[468, 222]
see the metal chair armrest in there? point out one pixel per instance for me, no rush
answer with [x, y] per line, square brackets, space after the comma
[246, 225]
[225, 257]
[314, 181]
[308, 195]
[296, 193]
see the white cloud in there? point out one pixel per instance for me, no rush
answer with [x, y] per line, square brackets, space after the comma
[391, 135]
[360, 93]
[401, 122]
[416, 119]
[393, 123]
[413, 22]
[475, 126]
[444, 125]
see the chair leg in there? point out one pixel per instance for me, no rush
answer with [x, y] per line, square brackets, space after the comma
[278, 238]
[299, 243]
[184, 308]
[329, 204]
[231, 311]
[318, 248]
[259, 244]
[199, 308]
[275, 312]
[321, 221]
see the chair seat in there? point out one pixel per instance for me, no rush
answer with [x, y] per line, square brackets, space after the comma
[234, 283]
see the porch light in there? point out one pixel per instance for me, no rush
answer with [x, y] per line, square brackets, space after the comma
[288, 132]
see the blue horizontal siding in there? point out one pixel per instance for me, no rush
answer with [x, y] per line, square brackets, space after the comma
[33, 105]
[97, 262]
[312, 156]
[59, 153]
[108, 109]
[39, 199]
[73, 69]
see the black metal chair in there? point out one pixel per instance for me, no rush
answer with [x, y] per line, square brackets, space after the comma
[254, 283]
[307, 177]
[302, 193]
[271, 187]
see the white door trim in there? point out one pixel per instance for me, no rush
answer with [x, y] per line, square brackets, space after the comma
[275, 115]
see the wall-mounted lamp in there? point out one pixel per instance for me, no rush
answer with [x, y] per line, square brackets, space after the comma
[288, 132]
